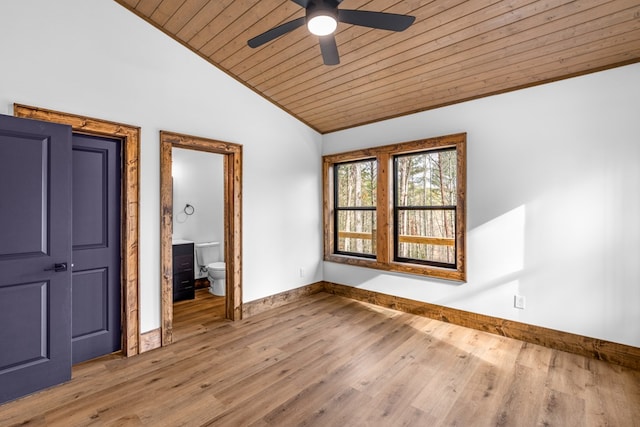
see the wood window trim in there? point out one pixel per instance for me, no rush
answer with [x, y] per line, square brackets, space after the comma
[232, 229]
[384, 242]
[130, 136]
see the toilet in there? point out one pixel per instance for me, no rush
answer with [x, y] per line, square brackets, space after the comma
[209, 259]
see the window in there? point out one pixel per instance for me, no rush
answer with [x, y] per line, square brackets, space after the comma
[355, 208]
[425, 207]
[399, 207]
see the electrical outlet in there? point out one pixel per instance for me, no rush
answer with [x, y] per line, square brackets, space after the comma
[301, 272]
[519, 301]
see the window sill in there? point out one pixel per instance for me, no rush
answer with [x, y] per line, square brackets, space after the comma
[458, 275]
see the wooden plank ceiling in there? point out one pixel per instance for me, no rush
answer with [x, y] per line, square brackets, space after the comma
[456, 50]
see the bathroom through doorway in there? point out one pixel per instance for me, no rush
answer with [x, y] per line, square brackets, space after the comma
[183, 220]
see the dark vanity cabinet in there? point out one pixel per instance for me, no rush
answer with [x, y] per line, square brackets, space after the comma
[183, 275]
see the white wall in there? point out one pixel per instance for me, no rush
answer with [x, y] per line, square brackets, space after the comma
[553, 176]
[97, 59]
[198, 180]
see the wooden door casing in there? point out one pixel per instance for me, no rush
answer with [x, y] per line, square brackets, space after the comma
[130, 136]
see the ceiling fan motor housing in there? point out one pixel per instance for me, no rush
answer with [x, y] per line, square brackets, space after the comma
[322, 7]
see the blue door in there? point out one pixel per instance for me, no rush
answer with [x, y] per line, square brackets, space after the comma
[96, 278]
[35, 256]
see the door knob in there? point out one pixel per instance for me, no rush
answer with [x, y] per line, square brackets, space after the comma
[58, 267]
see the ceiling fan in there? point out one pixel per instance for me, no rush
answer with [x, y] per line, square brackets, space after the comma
[322, 17]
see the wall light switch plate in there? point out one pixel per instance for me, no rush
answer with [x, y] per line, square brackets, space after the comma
[519, 301]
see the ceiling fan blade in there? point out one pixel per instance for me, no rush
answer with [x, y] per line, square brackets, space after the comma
[276, 32]
[380, 20]
[329, 50]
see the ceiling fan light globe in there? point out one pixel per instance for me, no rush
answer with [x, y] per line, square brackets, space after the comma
[322, 25]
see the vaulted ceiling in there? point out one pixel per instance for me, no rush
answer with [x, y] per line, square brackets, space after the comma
[456, 50]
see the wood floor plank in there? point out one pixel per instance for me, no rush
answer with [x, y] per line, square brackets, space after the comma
[327, 360]
[562, 409]
[345, 408]
[568, 374]
[519, 404]
[534, 356]
[487, 384]
[394, 397]
[449, 376]
[603, 405]
[409, 356]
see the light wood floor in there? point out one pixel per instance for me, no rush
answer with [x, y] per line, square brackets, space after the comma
[191, 316]
[331, 361]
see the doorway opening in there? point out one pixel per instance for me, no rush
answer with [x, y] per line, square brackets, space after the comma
[198, 240]
[232, 155]
[130, 149]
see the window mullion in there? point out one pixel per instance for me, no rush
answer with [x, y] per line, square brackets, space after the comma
[384, 211]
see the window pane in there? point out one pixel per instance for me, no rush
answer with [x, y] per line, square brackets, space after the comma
[426, 179]
[356, 183]
[356, 231]
[427, 235]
